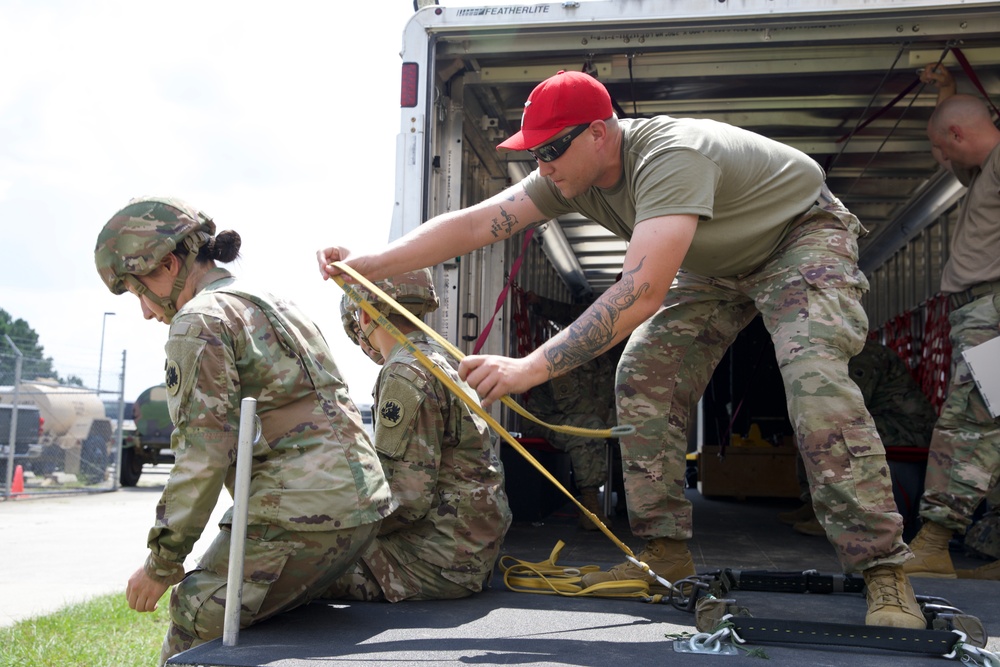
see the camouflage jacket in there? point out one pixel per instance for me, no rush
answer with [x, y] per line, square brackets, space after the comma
[314, 468]
[587, 389]
[903, 415]
[443, 469]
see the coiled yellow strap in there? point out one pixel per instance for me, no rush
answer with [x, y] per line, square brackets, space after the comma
[473, 404]
[548, 578]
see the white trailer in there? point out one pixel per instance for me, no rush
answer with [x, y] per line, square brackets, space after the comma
[835, 78]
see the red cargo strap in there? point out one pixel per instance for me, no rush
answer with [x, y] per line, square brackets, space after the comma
[967, 68]
[514, 268]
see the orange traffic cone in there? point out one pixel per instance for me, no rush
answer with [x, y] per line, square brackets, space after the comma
[17, 484]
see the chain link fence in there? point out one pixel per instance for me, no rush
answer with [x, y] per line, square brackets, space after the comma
[66, 438]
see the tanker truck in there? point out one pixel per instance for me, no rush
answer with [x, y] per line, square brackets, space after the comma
[148, 441]
[76, 437]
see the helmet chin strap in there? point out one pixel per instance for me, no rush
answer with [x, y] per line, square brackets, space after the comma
[367, 330]
[167, 303]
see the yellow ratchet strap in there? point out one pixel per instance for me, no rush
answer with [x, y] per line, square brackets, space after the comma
[473, 404]
[547, 578]
[614, 432]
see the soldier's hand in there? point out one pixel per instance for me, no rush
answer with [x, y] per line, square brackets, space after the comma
[937, 75]
[493, 377]
[142, 592]
[326, 257]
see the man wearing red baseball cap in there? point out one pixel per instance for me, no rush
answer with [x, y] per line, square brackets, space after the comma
[723, 224]
[568, 99]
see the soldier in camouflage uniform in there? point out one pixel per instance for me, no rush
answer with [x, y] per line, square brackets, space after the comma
[441, 462]
[745, 225]
[585, 398]
[570, 400]
[964, 462]
[983, 536]
[903, 416]
[317, 491]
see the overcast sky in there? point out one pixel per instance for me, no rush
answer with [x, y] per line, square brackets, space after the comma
[278, 119]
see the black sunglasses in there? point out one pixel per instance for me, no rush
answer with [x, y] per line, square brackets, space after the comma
[554, 149]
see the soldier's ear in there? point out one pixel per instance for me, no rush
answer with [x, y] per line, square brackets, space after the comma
[171, 264]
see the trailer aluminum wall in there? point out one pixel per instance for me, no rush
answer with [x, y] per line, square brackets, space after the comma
[806, 74]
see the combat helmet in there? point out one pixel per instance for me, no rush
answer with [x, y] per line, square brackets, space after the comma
[414, 291]
[349, 318]
[137, 238]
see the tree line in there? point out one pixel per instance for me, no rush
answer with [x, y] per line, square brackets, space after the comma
[34, 363]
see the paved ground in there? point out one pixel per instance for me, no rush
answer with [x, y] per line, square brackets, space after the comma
[64, 549]
[59, 550]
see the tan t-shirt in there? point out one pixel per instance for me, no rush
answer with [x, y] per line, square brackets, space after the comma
[745, 188]
[974, 254]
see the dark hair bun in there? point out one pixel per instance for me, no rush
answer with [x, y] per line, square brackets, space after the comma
[223, 247]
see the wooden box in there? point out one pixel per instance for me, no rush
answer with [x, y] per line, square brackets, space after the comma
[748, 472]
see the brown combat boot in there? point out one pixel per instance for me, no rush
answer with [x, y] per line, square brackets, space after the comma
[930, 553]
[588, 498]
[803, 513]
[669, 559]
[890, 599]
[989, 571]
[811, 527]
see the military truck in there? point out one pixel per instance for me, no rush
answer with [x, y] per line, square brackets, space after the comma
[76, 436]
[146, 437]
[147, 440]
[27, 447]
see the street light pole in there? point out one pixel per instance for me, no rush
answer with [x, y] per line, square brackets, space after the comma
[100, 362]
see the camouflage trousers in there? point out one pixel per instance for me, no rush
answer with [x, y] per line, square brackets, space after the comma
[282, 570]
[379, 576]
[808, 294]
[964, 460]
[983, 536]
[589, 456]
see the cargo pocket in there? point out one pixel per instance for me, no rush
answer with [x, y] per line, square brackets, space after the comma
[202, 595]
[836, 317]
[965, 408]
[869, 470]
[473, 582]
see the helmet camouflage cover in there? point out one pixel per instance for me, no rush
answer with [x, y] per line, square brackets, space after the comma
[347, 317]
[413, 290]
[137, 238]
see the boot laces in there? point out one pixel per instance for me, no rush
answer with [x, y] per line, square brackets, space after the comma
[886, 590]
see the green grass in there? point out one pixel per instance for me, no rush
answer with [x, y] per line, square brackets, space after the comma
[103, 632]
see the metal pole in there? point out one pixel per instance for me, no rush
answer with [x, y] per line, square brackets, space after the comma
[100, 361]
[609, 483]
[13, 415]
[237, 545]
[119, 432]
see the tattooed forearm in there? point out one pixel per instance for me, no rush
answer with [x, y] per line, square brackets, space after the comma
[502, 224]
[595, 330]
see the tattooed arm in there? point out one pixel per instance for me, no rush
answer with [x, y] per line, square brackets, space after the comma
[653, 257]
[441, 238]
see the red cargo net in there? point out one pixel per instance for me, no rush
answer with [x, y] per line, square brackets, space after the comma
[935, 355]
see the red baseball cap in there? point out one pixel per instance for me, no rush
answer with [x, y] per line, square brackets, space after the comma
[561, 101]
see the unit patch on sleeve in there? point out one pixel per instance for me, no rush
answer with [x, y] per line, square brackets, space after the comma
[390, 413]
[173, 377]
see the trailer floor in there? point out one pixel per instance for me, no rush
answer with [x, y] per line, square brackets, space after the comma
[500, 627]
